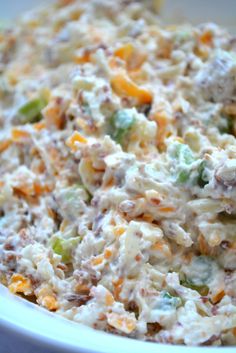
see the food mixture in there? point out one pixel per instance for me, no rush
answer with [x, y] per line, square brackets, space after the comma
[118, 170]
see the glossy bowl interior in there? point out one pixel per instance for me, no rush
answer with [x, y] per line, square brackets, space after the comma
[26, 328]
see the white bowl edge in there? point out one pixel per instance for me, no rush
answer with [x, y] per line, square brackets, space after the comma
[52, 331]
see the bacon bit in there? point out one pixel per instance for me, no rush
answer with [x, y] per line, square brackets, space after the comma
[109, 183]
[74, 139]
[79, 299]
[25, 189]
[97, 260]
[20, 284]
[38, 168]
[119, 230]
[218, 296]
[40, 126]
[167, 209]
[99, 169]
[18, 135]
[206, 38]
[121, 322]
[102, 317]
[153, 328]
[117, 288]
[51, 213]
[155, 201]
[138, 258]
[147, 217]
[107, 253]
[109, 300]
[187, 257]
[49, 302]
[124, 86]
[82, 289]
[62, 267]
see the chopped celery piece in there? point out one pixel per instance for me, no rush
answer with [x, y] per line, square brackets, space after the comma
[183, 153]
[201, 289]
[184, 158]
[30, 112]
[202, 269]
[202, 180]
[70, 193]
[120, 124]
[183, 176]
[171, 301]
[206, 267]
[64, 247]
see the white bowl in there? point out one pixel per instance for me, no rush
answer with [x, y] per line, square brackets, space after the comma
[26, 328]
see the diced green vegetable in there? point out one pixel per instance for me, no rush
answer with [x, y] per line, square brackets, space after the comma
[72, 192]
[184, 158]
[171, 301]
[64, 247]
[30, 112]
[202, 178]
[183, 176]
[205, 266]
[120, 124]
[183, 153]
[202, 269]
[201, 289]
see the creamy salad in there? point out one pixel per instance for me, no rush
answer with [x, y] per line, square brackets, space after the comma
[118, 170]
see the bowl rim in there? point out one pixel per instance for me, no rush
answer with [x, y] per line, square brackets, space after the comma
[53, 331]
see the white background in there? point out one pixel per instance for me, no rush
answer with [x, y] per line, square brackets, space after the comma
[220, 11]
